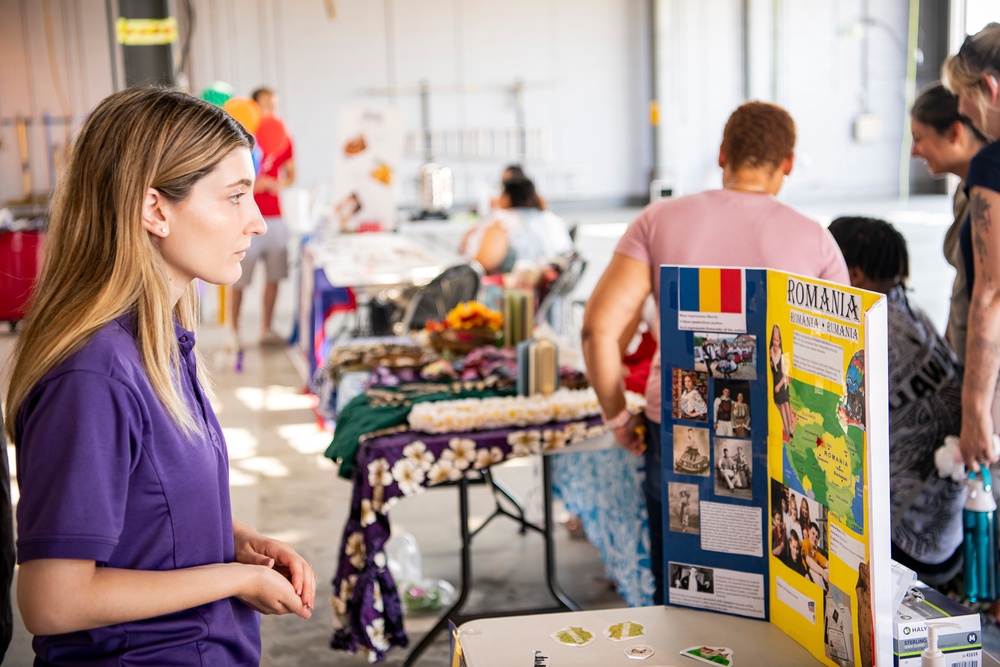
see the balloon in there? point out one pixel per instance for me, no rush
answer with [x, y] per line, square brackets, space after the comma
[271, 135]
[245, 111]
[258, 158]
[218, 93]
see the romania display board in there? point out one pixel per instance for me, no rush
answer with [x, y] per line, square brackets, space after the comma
[775, 455]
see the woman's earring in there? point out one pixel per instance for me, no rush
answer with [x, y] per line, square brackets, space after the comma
[163, 230]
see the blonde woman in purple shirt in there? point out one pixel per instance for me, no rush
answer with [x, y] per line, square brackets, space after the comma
[756, 154]
[128, 549]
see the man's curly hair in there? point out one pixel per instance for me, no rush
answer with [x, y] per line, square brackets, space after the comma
[758, 134]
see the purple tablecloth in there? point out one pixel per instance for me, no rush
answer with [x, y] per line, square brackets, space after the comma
[368, 614]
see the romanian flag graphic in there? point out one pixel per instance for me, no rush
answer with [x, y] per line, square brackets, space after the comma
[711, 290]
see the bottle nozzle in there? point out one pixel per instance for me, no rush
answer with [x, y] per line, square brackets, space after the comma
[932, 656]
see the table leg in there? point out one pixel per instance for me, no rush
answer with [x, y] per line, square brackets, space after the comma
[551, 575]
[463, 591]
[363, 314]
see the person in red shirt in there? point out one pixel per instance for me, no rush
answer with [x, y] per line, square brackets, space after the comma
[276, 172]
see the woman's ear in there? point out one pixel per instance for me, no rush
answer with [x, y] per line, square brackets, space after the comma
[154, 217]
[992, 87]
[955, 132]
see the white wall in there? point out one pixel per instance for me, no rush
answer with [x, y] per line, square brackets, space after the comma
[54, 59]
[576, 61]
[805, 56]
[583, 65]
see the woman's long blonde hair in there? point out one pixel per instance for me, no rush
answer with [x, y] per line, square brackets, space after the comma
[980, 54]
[100, 262]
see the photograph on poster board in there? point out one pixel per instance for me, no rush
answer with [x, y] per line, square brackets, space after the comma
[733, 468]
[838, 627]
[683, 505]
[731, 408]
[780, 364]
[804, 546]
[692, 578]
[691, 451]
[690, 395]
[726, 355]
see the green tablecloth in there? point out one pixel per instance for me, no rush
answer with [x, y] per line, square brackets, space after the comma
[378, 410]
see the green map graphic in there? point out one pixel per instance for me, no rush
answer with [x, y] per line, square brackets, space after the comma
[829, 472]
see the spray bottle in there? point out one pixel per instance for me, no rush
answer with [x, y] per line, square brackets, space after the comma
[980, 540]
[932, 656]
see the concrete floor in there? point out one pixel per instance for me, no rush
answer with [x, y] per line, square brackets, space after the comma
[282, 484]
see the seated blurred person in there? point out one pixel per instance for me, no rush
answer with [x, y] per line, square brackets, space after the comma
[520, 230]
[513, 172]
[925, 392]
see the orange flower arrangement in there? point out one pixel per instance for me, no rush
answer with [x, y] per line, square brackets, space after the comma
[468, 315]
[466, 326]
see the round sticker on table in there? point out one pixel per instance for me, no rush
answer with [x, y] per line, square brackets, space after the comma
[622, 631]
[639, 651]
[573, 636]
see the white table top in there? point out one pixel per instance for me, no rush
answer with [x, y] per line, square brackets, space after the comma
[510, 641]
[380, 259]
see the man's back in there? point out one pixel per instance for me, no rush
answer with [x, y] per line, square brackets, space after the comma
[730, 228]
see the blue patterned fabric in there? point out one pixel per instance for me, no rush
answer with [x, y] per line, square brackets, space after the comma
[604, 488]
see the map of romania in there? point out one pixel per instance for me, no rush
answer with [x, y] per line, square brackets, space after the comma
[822, 460]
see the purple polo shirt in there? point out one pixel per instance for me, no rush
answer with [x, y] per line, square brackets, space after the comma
[106, 475]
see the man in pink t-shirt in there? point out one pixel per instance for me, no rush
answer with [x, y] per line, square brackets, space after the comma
[741, 225]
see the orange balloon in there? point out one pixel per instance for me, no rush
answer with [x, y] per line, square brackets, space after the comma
[245, 111]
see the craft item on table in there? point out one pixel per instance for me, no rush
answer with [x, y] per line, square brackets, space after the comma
[639, 651]
[385, 376]
[518, 316]
[572, 378]
[385, 408]
[388, 351]
[462, 341]
[537, 367]
[486, 361]
[574, 635]
[713, 655]
[480, 363]
[439, 370]
[623, 631]
[475, 414]
[466, 326]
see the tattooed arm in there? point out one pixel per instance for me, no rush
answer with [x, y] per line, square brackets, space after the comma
[982, 362]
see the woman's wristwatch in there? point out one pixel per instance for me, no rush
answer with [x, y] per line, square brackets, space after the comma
[619, 420]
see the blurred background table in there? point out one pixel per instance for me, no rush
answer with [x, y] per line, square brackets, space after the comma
[341, 274]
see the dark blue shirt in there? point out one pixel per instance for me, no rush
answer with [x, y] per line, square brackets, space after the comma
[106, 475]
[984, 171]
